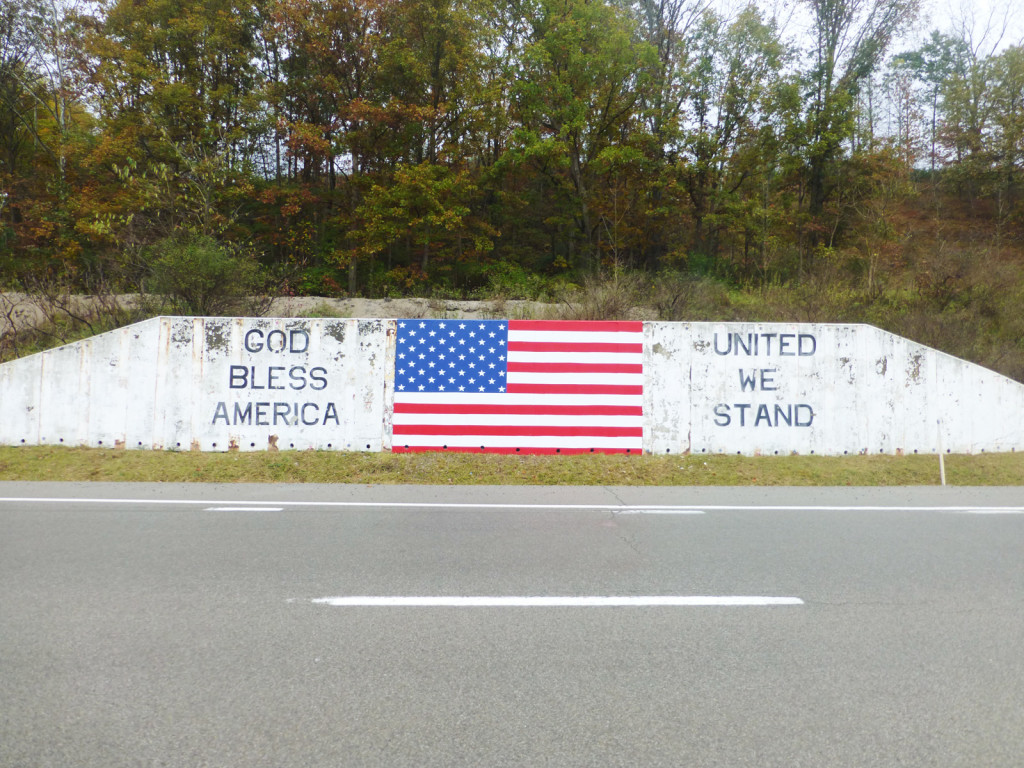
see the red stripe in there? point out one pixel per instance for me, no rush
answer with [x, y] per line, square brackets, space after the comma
[496, 429]
[519, 451]
[590, 346]
[575, 389]
[576, 367]
[523, 410]
[601, 326]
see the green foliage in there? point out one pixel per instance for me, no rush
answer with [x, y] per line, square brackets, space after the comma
[198, 276]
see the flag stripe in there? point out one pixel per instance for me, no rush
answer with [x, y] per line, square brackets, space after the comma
[507, 429]
[559, 420]
[570, 367]
[577, 389]
[617, 379]
[585, 326]
[520, 410]
[511, 398]
[589, 358]
[619, 348]
[523, 442]
[523, 450]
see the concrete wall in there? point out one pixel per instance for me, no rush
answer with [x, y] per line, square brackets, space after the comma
[257, 384]
[207, 384]
[824, 389]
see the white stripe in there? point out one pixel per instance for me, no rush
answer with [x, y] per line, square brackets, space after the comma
[533, 377]
[548, 420]
[614, 508]
[578, 337]
[524, 398]
[616, 358]
[244, 509]
[519, 441]
[686, 601]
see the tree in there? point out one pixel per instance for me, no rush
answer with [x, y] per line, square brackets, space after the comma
[576, 94]
[850, 38]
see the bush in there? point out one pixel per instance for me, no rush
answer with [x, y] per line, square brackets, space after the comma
[199, 276]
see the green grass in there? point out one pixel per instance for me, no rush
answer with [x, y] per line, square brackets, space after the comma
[100, 464]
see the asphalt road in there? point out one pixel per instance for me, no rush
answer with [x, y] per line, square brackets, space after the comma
[164, 625]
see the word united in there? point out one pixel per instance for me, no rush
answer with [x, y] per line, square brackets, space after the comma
[518, 386]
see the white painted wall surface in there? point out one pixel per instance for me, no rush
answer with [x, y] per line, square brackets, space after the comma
[213, 384]
[207, 384]
[826, 389]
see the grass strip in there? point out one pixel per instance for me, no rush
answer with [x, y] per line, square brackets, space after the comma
[110, 465]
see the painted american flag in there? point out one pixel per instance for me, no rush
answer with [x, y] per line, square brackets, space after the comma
[518, 386]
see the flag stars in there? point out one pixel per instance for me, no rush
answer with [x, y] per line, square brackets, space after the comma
[440, 353]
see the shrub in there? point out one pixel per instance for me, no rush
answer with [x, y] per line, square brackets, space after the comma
[199, 276]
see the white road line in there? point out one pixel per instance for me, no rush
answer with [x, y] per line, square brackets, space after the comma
[365, 504]
[244, 509]
[637, 509]
[687, 601]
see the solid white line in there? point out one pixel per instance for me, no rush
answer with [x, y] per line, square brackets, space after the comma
[636, 509]
[370, 504]
[687, 601]
[244, 509]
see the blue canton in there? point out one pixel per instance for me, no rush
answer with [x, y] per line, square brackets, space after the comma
[451, 356]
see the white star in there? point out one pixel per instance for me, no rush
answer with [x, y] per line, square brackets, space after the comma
[401, 325]
[501, 327]
[481, 389]
[462, 389]
[491, 381]
[433, 333]
[491, 334]
[462, 326]
[430, 380]
[501, 389]
[441, 388]
[422, 387]
[472, 334]
[423, 325]
[401, 386]
[462, 357]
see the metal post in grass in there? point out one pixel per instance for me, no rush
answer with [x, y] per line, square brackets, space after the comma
[942, 459]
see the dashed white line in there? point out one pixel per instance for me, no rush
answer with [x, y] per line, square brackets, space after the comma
[244, 509]
[674, 601]
[623, 509]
